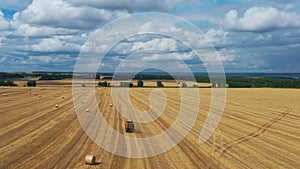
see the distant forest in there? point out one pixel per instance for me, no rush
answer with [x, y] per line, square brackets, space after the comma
[236, 82]
[233, 81]
[40, 75]
[246, 82]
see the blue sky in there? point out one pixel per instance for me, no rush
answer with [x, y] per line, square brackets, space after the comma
[249, 35]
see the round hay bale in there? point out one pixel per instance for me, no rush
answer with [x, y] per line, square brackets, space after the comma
[90, 159]
[5, 94]
[82, 101]
[56, 105]
[110, 105]
[62, 97]
[87, 110]
[40, 96]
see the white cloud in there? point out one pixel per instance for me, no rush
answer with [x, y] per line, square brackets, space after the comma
[58, 13]
[123, 48]
[137, 64]
[2, 59]
[261, 19]
[130, 5]
[53, 45]
[213, 57]
[48, 32]
[168, 57]
[217, 36]
[156, 44]
[4, 24]
[227, 55]
[262, 37]
[27, 30]
[49, 59]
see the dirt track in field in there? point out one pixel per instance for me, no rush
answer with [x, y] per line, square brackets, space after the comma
[259, 129]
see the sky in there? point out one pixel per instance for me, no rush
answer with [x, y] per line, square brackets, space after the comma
[248, 35]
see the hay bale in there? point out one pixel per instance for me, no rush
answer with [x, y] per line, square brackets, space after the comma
[5, 94]
[56, 105]
[110, 105]
[40, 96]
[90, 159]
[87, 110]
[82, 101]
[62, 97]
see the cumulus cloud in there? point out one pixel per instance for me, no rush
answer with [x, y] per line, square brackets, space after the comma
[83, 14]
[168, 56]
[58, 13]
[156, 44]
[262, 37]
[130, 5]
[86, 14]
[52, 32]
[26, 30]
[261, 19]
[4, 24]
[217, 36]
[57, 62]
[49, 59]
[54, 45]
[227, 55]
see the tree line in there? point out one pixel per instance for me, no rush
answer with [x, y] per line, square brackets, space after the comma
[7, 83]
[262, 82]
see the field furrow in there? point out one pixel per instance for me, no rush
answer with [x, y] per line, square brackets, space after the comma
[259, 129]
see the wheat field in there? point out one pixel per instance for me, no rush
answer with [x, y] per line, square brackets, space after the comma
[259, 129]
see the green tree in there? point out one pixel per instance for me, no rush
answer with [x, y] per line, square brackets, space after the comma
[103, 84]
[159, 84]
[183, 85]
[126, 84]
[140, 83]
[2, 82]
[31, 83]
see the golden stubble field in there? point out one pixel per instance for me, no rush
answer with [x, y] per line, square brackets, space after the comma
[259, 129]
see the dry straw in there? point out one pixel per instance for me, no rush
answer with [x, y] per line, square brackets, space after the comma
[90, 159]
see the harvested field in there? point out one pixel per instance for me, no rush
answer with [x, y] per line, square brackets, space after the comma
[259, 129]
